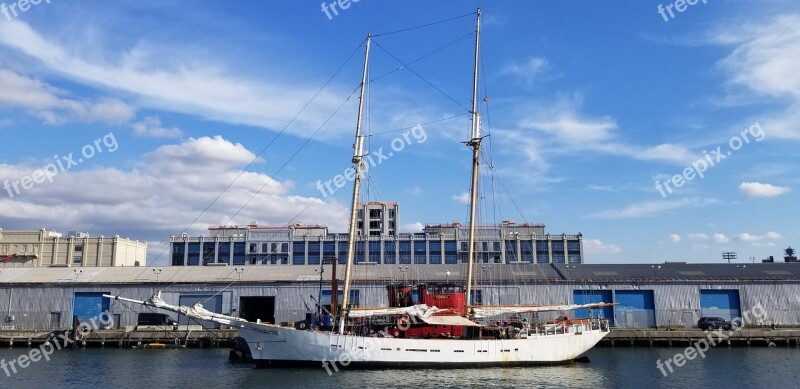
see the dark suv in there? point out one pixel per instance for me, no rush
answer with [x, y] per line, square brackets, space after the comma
[712, 323]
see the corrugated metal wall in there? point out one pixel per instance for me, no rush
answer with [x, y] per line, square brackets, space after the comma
[675, 304]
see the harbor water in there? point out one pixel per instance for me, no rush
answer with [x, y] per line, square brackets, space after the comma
[210, 368]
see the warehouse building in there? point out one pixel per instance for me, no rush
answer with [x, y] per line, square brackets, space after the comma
[301, 245]
[77, 249]
[671, 294]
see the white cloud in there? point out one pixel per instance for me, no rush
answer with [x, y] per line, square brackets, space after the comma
[565, 124]
[596, 246]
[151, 127]
[698, 236]
[568, 130]
[602, 188]
[765, 60]
[766, 57]
[47, 103]
[675, 238]
[651, 208]
[758, 189]
[162, 194]
[751, 238]
[415, 191]
[462, 198]
[195, 86]
[412, 228]
[721, 238]
[528, 71]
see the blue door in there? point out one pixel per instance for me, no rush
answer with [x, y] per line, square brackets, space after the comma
[720, 303]
[210, 302]
[635, 309]
[593, 296]
[90, 305]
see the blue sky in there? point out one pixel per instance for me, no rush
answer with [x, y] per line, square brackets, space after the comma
[590, 104]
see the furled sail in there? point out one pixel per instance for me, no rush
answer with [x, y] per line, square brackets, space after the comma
[419, 311]
[480, 312]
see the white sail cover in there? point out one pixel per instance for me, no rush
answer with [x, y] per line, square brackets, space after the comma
[479, 312]
[196, 311]
[449, 321]
[419, 311]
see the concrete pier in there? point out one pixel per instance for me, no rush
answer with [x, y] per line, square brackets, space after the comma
[746, 337]
[124, 338]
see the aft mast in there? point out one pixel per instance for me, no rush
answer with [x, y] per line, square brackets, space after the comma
[358, 154]
[475, 144]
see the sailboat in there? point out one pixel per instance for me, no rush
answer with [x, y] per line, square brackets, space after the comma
[441, 329]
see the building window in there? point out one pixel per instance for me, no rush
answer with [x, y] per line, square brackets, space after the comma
[391, 214]
[299, 253]
[405, 252]
[265, 248]
[558, 245]
[284, 247]
[79, 247]
[496, 246]
[253, 247]
[375, 252]
[239, 255]
[77, 259]
[574, 246]
[511, 251]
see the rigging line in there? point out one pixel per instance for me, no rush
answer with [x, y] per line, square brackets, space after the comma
[424, 25]
[275, 174]
[421, 124]
[505, 188]
[423, 57]
[368, 130]
[307, 141]
[420, 76]
[255, 159]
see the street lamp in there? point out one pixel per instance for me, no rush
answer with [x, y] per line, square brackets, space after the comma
[741, 269]
[403, 270]
[569, 270]
[655, 270]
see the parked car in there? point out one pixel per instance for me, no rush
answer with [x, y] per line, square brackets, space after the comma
[712, 323]
[156, 319]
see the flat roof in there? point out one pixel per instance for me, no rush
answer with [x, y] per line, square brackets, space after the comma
[483, 273]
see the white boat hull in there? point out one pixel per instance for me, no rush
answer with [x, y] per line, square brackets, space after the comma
[272, 345]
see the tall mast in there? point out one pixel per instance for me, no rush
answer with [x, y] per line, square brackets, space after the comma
[475, 144]
[358, 154]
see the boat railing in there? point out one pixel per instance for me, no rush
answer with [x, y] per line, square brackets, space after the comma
[566, 327]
